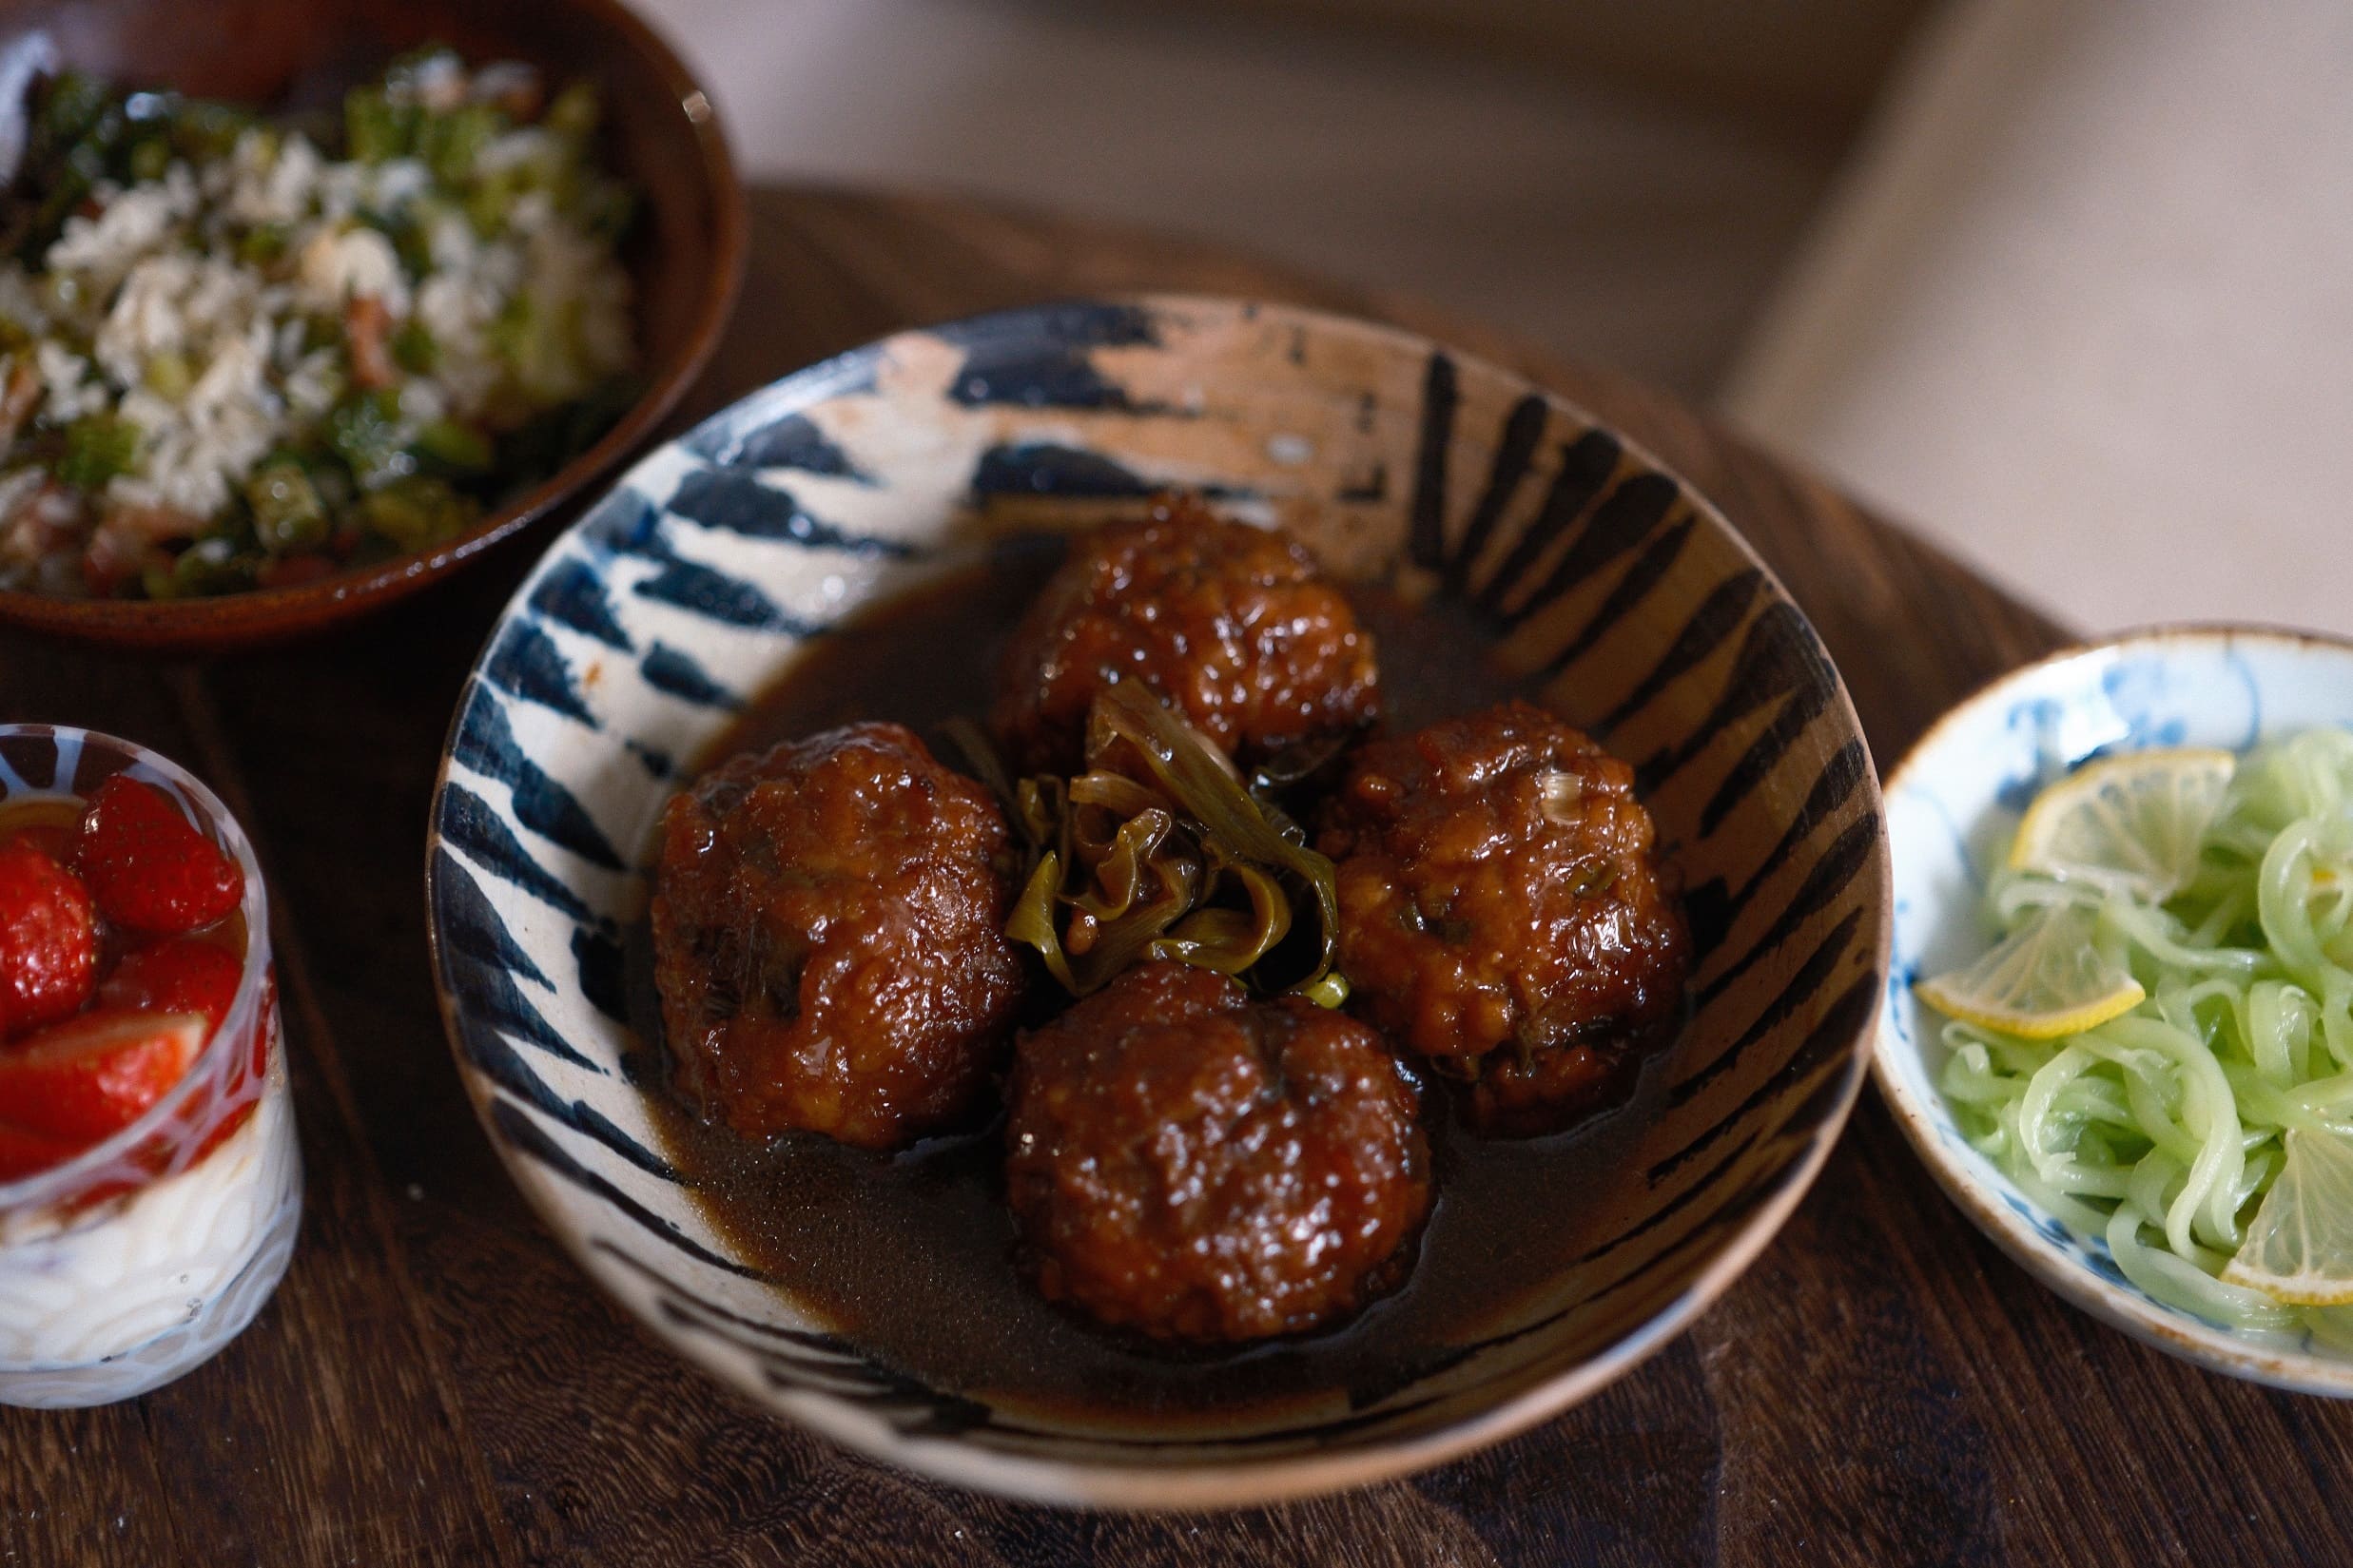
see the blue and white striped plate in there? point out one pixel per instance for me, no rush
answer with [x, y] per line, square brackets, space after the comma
[1601, 584]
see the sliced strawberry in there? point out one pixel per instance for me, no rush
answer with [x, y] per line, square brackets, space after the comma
[183, 975]
[49, 939]
[51, 839]
[24, 1154]
[148, 868]
[91, 1076]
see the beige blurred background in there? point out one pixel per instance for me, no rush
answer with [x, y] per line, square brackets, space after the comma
[2061, 282]
[1623, 182]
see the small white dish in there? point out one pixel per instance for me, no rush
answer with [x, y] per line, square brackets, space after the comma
[1953, 804]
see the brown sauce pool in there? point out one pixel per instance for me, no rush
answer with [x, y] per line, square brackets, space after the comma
[911, 1256]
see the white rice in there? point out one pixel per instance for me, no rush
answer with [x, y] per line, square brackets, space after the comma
[154, 278]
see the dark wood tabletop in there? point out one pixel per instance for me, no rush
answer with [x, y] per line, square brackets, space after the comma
[436, 1382]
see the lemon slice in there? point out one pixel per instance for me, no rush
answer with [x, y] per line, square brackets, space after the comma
[2132, 823]
[2044, 979]
[2300, 1249]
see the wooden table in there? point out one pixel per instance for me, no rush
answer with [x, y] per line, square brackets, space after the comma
[436, 1382]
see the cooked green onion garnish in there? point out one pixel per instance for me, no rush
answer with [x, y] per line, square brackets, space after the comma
[1158, 851]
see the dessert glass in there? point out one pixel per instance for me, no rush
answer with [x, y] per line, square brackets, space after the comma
[138, 1259]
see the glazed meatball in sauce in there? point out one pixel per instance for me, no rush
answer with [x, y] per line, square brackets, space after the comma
[1234, 624]
[1198, 1166]
[829, 939]
[1503, 912]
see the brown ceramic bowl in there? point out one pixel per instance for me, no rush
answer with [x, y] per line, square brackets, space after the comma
[684, 254]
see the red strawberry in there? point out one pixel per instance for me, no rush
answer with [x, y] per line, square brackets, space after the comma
[148, 868]
[91, 1076]
[49, 939]
[184, 975]
[51, 839]
[23, 1154]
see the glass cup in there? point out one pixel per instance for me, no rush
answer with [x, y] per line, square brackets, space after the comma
[138, 1259]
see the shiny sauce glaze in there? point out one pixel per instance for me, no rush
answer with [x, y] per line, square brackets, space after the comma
[911, 1256]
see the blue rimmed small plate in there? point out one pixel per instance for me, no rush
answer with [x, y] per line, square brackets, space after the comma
[1953, 803]
[1566, 563]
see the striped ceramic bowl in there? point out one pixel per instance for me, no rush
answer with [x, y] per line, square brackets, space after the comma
[1583, 574]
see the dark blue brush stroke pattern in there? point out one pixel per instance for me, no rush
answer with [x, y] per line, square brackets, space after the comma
[1832, 1036]
[1810, 978]
[1711, 909]
[526, 1135]
[1425, 525]
[572, 593]
[601, 968]
[486, 744]
[627, 524]
[1042, 467]
[1042, 358]
[1717, 617]
[1514, 457]
[740, 503]
[468, 821]
[526, 661]
[492, 1007]
[666, 668]
[1620, 523]
[1587, 465]
[716, 596]
[792, 441]
[1648, 570]
[484, 960]
[1841, 862]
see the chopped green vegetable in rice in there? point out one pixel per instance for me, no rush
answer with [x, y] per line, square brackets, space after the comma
[235, 353]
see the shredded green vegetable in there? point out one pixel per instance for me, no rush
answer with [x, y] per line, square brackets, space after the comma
[2162, 1129]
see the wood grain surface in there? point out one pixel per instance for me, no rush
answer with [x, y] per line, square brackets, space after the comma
[434, 1382]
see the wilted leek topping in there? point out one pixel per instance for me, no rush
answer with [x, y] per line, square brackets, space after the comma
[1159, 851]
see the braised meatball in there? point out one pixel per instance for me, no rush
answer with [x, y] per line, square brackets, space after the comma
[1234, 624]
[829, 932]
[1503, 911]
[1189, 1163]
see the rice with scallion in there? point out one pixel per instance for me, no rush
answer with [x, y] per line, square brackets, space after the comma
[236, 353]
